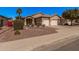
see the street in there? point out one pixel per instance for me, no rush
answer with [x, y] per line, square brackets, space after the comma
[74, 46]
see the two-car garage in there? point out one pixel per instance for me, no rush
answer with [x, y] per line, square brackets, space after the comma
[53, 21]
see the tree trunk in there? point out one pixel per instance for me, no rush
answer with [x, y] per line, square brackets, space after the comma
[19, 16]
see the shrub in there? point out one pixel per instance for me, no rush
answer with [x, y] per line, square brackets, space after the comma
[18, 24]
[17, 32]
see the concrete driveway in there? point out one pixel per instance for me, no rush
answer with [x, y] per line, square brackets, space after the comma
[65, 35]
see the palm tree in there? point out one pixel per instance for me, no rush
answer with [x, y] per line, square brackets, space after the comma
[17, 24]
[19, 11]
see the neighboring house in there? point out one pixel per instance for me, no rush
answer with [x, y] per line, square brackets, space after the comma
[67, 21]
[4, 20]
[42, 19]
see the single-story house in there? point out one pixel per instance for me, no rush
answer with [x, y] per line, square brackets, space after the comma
[43, 19]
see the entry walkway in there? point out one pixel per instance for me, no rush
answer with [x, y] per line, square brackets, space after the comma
[65, 35]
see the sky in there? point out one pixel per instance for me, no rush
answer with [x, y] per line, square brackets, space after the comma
[28, 11]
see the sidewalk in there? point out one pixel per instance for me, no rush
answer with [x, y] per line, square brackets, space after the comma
[64, 36]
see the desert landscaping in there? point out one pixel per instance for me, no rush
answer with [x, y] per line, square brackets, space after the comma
[26, 33]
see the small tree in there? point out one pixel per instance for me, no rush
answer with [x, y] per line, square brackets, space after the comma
[18, 24]
[71, 14]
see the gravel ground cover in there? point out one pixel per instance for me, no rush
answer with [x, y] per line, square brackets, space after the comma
[26, 33]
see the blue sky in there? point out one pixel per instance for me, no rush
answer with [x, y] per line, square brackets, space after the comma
[27, 11]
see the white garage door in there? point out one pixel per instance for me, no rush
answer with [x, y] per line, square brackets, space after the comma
[54, 22]
[45, 22]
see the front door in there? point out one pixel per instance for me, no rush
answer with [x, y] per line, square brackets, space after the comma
[29, 21]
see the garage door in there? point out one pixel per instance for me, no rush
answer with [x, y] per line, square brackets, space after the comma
[54, 22]
[45, 22]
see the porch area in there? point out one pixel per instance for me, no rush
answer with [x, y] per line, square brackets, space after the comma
[30, 21]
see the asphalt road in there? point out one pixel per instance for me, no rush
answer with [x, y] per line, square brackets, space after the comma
[74, 46]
